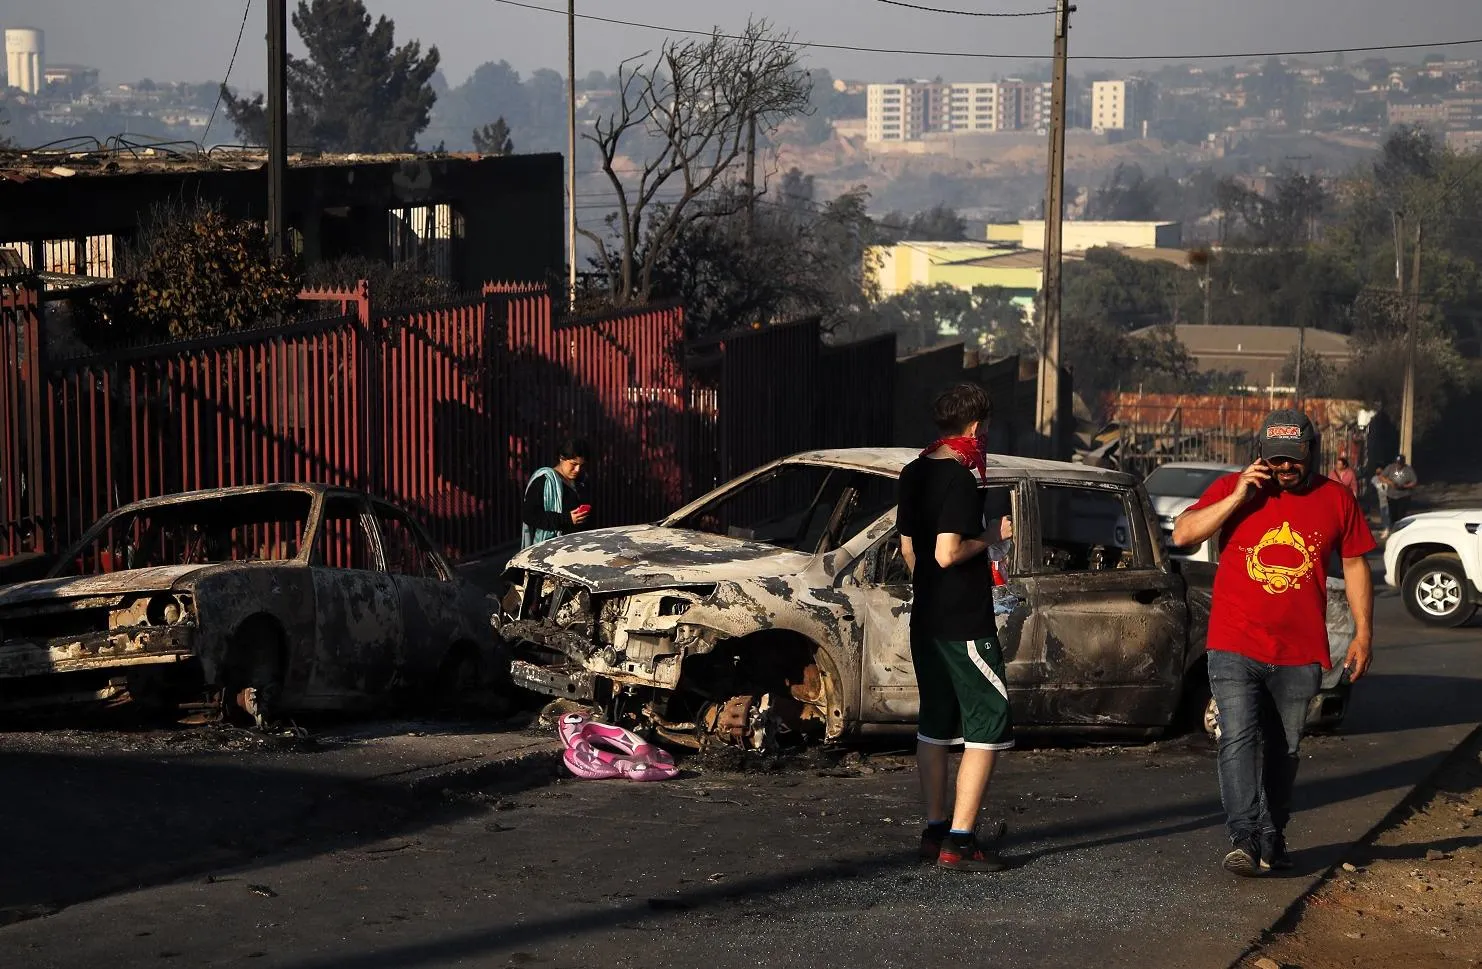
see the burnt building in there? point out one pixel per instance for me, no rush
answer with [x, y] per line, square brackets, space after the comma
[468, 219]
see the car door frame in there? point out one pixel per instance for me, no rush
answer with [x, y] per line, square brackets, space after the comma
[443, 597]
[362, 600]
[1084, 682]
[894, 698]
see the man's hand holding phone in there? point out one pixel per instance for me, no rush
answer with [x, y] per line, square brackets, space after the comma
[1254, 479]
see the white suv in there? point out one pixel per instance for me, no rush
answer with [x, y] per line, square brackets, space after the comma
[1435, 560]
[1173, 488]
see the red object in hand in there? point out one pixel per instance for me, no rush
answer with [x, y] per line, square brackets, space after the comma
[583, 509]
[997, 575]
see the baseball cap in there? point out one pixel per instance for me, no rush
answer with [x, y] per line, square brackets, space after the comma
[1287, 434]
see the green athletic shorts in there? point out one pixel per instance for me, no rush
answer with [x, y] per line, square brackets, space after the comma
[964, 692]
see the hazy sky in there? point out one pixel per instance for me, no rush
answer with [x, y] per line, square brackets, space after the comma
[192, 39]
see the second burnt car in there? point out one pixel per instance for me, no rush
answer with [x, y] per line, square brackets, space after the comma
[779, 605]
[253, 602]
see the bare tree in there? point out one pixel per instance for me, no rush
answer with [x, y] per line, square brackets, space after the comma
[695, 107]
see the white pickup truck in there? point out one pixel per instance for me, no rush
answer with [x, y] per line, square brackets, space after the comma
[1434, 559]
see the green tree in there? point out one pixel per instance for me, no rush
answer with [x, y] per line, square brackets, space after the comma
[793, 259]
[1319, 378]
[493, 90]
[356, 92]
[998, 325]
[940, 223]
[1111, 288]
[493, 139]
[1376, 373]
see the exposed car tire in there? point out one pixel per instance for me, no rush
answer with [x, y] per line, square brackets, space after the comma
[1212, 720]
[253, 686]
[1437, 592]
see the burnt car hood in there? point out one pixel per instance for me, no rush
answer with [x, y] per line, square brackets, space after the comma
[82, 586]
[652, 557]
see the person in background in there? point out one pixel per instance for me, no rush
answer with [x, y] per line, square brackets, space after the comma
[1401, 480]
[552, 505]
[1343, 474]
[1280, 526]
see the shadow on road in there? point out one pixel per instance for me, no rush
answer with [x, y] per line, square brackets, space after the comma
[1410, 702]
[82, 825]
[1146, 824]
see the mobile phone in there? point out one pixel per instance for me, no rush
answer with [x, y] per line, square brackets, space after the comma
[583, 509]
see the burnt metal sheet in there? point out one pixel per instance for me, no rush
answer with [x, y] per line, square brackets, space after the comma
[570, 683]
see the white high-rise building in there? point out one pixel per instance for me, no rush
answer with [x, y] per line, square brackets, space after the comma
[1121, 105]
[25, 59]
[907, 111]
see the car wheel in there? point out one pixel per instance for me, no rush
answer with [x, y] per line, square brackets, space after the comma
[254, 682]
[1212, 720]
[460, 683]
[1436, 591]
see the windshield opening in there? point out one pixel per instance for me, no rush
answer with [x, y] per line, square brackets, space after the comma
[266, 527]
[790, 508]
[1182, 482]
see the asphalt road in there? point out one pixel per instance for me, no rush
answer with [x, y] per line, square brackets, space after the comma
[1116, 858]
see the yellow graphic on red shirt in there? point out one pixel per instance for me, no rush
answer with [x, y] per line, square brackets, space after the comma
[1280, 560]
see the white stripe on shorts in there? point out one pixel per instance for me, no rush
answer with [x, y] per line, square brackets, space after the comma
[985, 669]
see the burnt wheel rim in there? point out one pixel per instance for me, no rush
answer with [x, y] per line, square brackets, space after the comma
[1438, 593]
[1212, 719]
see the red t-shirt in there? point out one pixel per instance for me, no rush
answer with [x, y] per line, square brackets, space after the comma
[1270, 589]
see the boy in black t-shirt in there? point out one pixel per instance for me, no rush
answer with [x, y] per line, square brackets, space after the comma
[954, 640]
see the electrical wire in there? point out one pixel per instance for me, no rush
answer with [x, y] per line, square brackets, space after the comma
[229, 65]
[1249, 55]
[966, 13]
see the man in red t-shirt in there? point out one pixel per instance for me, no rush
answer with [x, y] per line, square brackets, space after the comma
[1279, 523]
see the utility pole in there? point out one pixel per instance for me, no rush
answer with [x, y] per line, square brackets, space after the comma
[1407, 404]
[1047, 417]
[571, 155]
[1301, 352]
[277, 112]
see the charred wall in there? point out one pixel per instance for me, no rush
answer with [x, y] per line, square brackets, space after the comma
[508, 210]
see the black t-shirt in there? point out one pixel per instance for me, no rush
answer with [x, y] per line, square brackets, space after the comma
[940, 496]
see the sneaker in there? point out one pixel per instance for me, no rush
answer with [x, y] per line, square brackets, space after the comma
[1244, 859]
[974, 856]
[931, 843]
[1273, 853]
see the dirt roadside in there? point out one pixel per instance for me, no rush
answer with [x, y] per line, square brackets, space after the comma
[1411, 895]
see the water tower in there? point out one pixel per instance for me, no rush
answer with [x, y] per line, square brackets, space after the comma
[25, 58]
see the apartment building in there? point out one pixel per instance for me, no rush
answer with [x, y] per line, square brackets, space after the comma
[1121, 105]
[904, 111]
[909, 111]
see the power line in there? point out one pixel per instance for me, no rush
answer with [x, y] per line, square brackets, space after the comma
[975, 55]
[967, 13]
[229, 65]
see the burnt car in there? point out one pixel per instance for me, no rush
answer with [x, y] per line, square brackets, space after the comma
[253, 602]
[777, 607]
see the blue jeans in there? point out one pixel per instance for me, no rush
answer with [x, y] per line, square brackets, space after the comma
[1262, 709]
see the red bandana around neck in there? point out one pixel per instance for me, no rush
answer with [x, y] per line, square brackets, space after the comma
[967, 450]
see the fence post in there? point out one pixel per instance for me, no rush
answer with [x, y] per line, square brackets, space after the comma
[30, 399]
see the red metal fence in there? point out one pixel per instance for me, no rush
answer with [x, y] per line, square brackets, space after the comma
[780, 390]
[1157, 428]
[446, 409]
